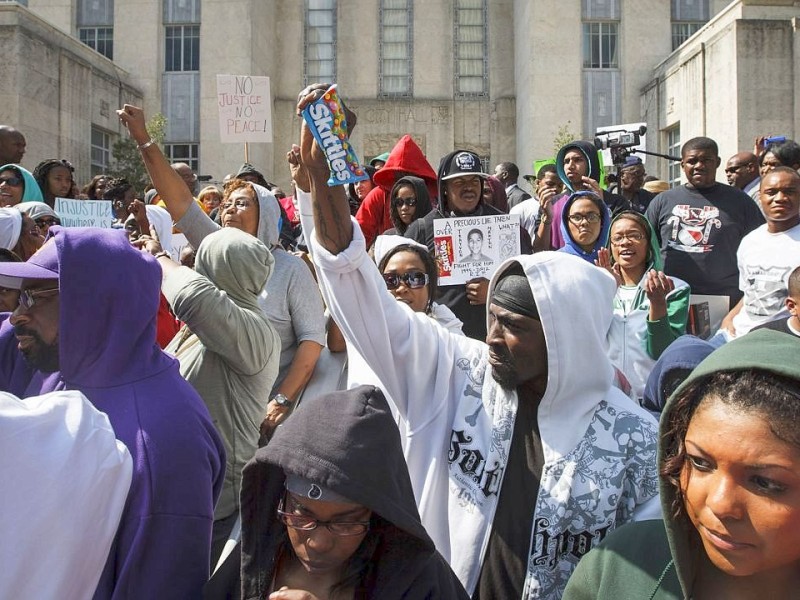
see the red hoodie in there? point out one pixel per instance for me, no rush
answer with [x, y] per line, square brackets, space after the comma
[406, 158]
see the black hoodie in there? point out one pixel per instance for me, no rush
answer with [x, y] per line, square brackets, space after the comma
[347, 442]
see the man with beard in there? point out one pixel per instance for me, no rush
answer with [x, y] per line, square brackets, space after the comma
[86, 321]
[521, 453]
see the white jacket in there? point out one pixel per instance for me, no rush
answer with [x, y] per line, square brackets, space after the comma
[599, 447]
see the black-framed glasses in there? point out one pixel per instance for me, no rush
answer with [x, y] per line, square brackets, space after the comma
[28, 298]
[305, 523]
[12, 181]
[588, 217]
[398, 202]
[634, 236]
[412, 279]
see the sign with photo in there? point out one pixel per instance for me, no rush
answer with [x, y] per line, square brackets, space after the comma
[84, 213]
[470, 247]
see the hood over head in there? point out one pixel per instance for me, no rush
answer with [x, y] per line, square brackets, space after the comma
[420, 192]
[237, 263]
[764, 350]
[589, 150]
[573, 248]
[109, 295]
[31, 192]
[654, 260]
[10, 227]
[579, 371]
[161, 221]
[406, 158]
[685, 354]
[37, 210]
[346, 442]
[269, 216]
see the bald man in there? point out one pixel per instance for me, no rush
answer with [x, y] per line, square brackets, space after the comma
[742, 173]
[12, 145]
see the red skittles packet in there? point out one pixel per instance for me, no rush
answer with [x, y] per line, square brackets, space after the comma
[327, 122]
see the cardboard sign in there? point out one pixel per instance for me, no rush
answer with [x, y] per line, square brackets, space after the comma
[470, 247]
[245, 109]
[84, 213]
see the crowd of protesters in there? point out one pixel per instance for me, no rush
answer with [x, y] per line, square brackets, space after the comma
[296, 406]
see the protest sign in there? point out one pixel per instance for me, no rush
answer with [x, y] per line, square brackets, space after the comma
[469, 247]
[245, 108]
[84, 213]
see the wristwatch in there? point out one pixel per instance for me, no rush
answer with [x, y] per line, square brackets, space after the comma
[282, 400]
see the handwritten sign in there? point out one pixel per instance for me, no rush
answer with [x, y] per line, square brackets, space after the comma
[84, 213]
[245, 108]
[469, 247]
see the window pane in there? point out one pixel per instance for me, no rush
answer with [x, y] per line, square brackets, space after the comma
[320, 41]
[396, 68]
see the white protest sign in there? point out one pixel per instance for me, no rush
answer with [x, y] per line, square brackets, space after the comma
[245, 108]
[84, 213]
[607, 160]
[469, 247]
[179, 242]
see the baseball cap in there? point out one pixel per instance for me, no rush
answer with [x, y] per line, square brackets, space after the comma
[42, 265]
[463, 164]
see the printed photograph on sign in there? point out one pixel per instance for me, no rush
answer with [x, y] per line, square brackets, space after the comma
[470, 247]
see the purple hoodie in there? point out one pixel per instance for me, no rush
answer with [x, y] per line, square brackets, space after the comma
[107, 347]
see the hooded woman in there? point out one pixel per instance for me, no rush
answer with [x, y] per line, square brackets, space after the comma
[19, 233]
[330, 511]
[729, 456]
[44, 216]
[409, 200]
[18, 185]
[650, 308]
[585, 222]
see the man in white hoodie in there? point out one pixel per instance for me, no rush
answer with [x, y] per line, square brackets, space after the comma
[522, 472]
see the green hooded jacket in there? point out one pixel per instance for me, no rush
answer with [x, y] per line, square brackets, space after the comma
[655, 560]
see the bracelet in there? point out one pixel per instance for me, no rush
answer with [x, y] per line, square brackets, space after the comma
[146, 145]
[158, 255]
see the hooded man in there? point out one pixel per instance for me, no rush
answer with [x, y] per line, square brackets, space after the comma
[521, 453]
[461, 182]
[406, 158]
[87, 321]
[579, 168]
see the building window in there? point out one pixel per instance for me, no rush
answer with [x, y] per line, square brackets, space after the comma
[182, 48]
[600, 45]
[320, 46]
[396, 53]
[471, 52]
[186, 153]
[674, 149]
[688, 16]
[100, 39]
[101, 151]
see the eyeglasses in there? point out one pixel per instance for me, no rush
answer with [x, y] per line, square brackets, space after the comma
[12, 181]
[46, 222]
[412, 279]
[634, 236]
[304, 523]
[28, 298]
[398, 202]
[735, 168]
[237, 204]
[589, 218]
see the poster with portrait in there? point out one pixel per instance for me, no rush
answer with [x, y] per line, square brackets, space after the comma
[470, 247]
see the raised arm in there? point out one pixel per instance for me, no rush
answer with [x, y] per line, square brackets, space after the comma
[331, 209]
[170, 186]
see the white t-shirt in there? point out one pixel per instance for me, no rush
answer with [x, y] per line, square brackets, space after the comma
[765, 262]
[527, 210]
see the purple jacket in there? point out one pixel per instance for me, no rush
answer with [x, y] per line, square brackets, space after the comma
[107, 347]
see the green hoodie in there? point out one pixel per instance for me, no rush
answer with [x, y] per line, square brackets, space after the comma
[655, 560]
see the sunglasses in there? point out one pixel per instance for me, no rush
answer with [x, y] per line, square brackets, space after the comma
[398, 202]
[412, 279]
[12, 181]
[47, 222]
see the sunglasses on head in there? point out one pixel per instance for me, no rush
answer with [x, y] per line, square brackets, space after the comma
[412, 279]
[12, 181]
[398, 202]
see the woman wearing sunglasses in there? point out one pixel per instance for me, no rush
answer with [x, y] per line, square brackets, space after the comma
[18, 185]
[409, 200]
[328, 512]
